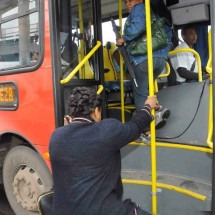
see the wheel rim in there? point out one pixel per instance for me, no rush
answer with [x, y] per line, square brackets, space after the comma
[27, 186]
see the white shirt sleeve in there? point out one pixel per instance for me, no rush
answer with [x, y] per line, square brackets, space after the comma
[183, 59]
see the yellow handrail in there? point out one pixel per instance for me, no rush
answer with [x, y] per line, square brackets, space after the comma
[209, 63]
[176, 51]
[81, 27]
[210, 117]
[166, 186]
[162, 75]
[151, 93]
[71, 75]
[163, 144]
[209, 70]
[100, 89]
[210, 111]
[176, 146]
[121, 68]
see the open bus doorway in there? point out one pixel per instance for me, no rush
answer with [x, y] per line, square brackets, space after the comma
[184, 166]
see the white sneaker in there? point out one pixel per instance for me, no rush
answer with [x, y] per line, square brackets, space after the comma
[144, 139]
[161, 117]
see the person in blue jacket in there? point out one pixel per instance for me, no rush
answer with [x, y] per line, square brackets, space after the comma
[86, 161]
[134, 26]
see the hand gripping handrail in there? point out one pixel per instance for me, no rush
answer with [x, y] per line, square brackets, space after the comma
[74, 71]
[176, 51]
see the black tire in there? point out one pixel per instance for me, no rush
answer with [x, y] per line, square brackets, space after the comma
[25, 177]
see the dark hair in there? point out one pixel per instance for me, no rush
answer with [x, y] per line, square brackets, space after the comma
[83, 101]
[184, 29]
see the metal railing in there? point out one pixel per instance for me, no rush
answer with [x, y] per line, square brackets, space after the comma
[86, 58]
[176, 51]
[210, 111]
[162, 75]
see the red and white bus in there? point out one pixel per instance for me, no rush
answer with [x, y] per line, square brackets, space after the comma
[43, 45]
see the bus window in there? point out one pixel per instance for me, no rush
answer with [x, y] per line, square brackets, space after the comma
[19, 34]
[107, 31]
[76, 38]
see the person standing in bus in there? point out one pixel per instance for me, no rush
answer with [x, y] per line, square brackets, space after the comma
[86, 161]
[184, 64]
[134, 26]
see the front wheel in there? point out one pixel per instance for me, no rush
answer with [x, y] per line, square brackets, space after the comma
[25, 177]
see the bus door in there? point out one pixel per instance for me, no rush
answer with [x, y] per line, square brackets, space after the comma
[76, 53]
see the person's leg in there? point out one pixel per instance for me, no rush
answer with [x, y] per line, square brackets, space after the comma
[163, 114]
[140, 93]
[141, 72]
[158, 66]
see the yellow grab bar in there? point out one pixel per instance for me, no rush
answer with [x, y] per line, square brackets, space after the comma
[162, 75]
[209, 63]
[71, 75]
[81, 26]
[121, 68]
[176, 146]
[101, 88]
[176, 51]
[210, 113]
[166, 186]
[210, 117]
[151, 93]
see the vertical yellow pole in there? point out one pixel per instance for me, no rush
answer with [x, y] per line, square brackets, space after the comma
[209, 63]
[81, 26]
[151, 93]
[121, 68]
[210, 112]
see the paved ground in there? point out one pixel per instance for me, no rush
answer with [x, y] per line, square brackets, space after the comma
[4, 206]
[6, 210]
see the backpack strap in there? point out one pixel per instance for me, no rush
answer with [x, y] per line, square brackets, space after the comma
[193, 66]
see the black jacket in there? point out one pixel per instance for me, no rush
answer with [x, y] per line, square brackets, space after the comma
[86, 165]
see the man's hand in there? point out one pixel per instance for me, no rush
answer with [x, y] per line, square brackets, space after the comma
[67, 120]
[152, 101]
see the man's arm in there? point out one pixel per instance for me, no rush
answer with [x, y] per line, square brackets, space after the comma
[184, 73]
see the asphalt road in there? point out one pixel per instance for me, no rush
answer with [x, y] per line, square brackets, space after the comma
[4, 205]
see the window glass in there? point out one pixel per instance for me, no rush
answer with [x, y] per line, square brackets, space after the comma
[107, 31]
[76, 37]
[19, 34]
